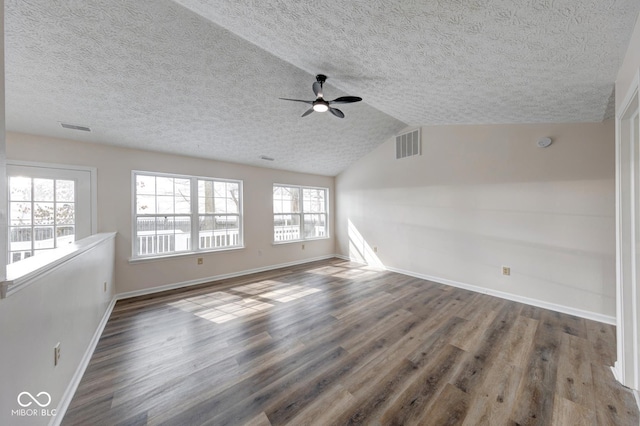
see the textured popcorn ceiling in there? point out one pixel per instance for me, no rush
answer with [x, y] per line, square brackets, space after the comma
[203, 77]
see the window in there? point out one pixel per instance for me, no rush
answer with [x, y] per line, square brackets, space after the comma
[49, 207]
[299, 213]
[182, 214]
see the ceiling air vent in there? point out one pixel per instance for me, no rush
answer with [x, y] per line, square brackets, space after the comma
[408, 144]
[75, 127]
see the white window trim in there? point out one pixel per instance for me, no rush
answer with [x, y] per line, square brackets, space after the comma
[194, 218]
[326, 237]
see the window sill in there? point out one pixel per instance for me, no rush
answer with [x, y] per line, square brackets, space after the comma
[145, 259]
[21, 274]
[308, 240]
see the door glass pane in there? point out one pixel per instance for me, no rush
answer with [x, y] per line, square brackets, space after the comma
[43, 237]
[43, 213]
[20, 213]
[43, 189]
[65, 213]
[19, 188]
[65, 190]
[20, 238]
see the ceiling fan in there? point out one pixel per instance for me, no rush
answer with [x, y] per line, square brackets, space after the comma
[320, 105]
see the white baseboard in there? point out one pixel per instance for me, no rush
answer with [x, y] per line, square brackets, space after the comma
[63, 405]
[146, 291]
[513, 297]
[615, 369]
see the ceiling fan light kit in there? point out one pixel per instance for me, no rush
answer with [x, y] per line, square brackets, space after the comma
[320, 105]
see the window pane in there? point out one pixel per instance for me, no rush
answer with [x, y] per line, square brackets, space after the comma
[205, 196]
[164, 186]
[182, 196]
[20, 239]
[20, 214]
[43, 189]
[286, 199]
[233, 198]
[172, 234]
[43, 237]
[145, 204]
[315, 225]
[65, 190]
[65, 235]
[146, 235]
[163, 234]
[20, 189]
[145, 185]
[65, 213]
[183, 204]
[165, 204]
[314, 200]
[220, 199]
[286, 227]
[43, 213]
[219, 231]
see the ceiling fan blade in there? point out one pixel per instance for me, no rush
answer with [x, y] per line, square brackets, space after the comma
[345, 100]
[317, 89]
[336, 112]
[307, 112]
[297, 100]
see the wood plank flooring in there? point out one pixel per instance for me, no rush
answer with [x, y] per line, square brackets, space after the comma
[337, 343]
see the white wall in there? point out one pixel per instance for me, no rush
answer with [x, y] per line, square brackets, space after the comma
[65, 305]
[485, 196]
[114, 208]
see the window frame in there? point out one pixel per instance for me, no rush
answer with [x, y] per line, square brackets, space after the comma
[194, 215]
[86, 194]
[302, 213]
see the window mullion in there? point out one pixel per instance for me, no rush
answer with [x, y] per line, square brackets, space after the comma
[33, 219]
[195, 219]
[55, 214]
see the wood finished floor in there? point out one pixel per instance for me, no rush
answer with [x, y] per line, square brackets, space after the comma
[334, 342]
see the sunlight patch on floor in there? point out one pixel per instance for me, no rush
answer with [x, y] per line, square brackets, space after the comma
[220, 306]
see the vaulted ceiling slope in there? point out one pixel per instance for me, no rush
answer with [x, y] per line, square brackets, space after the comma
[203, 77]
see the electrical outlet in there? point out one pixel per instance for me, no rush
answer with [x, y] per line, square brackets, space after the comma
[506, 270]
[303, 247]
[56, 354]
[375, 249]
[200, 261]
[105, 286]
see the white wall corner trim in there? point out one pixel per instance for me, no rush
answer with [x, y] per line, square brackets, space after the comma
[627, 159]
[515, 298]
[63, 405]
[211, 279]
